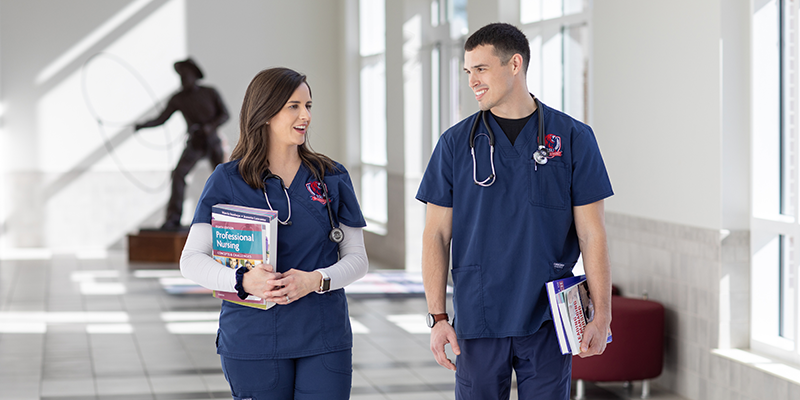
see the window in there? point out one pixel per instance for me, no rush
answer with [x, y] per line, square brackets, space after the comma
[558, 31]
[774, 219]
[372, 49]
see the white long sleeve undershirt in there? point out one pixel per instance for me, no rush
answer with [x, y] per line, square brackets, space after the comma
[198, 265]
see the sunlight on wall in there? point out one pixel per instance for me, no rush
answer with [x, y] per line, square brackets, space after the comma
[79, 48]
[66, 127]
[84, 124]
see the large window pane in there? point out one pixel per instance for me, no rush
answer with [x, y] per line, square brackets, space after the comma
[530, 11]
[535, 66]
[766, 114]
[573, 6]
[457, 15]
[576, 66]
[436, 102]
[374, 184]
[552, 69]
[552, 9]
[372, 25]
[373, 113]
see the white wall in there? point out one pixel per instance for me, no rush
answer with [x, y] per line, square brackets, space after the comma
[657, 108]
[60, 188]
[236, 39]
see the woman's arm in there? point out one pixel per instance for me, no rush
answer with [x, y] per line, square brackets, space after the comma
[197, 264]
[353, 263]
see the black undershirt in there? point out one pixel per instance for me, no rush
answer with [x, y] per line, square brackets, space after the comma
[512, 127]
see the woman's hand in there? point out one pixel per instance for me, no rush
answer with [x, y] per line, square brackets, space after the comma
[293, 285]
[256, 280]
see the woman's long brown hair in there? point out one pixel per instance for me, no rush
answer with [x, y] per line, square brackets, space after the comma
[266, 95]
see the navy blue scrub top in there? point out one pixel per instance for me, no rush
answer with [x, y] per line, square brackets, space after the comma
[512, 237]
[315, 324]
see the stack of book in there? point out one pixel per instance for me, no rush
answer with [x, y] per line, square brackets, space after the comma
[572, 308]
[243, 237]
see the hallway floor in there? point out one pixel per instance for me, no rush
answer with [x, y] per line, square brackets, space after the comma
[98, 327]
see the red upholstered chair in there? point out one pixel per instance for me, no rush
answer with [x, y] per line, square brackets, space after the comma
[636, 351]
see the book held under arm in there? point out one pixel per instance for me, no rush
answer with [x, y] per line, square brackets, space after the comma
[243, 236]
[572, 308]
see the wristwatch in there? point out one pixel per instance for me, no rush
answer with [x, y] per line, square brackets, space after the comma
[432, 319]
[325, 284]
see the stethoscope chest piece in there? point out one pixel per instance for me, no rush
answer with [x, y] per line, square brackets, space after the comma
[336, 235]
[540, 156]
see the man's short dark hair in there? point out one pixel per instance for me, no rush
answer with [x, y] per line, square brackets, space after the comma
[506, 39]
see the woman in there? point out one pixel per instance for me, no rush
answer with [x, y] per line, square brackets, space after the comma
[301, 348]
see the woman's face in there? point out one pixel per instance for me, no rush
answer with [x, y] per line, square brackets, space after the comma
[289, 126]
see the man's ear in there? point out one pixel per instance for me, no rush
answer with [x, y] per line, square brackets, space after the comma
[516, 63]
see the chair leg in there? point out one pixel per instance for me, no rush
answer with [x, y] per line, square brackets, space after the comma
[645, 388]
[580, 391]
[627, 385]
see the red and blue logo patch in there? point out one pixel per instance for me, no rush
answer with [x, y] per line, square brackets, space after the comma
[315, 188]
[553, 144]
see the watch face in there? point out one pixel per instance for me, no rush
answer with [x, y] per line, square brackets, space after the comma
[429, 320]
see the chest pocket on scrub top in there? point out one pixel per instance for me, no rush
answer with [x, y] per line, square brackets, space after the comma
[549, 184]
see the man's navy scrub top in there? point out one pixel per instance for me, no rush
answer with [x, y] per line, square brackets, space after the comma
[314, 324]
[512, 237]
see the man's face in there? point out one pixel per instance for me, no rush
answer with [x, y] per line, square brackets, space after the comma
[489, 79]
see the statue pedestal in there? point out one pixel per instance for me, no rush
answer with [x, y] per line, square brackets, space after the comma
[154, 245]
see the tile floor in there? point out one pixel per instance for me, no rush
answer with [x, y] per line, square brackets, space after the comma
[98, 327]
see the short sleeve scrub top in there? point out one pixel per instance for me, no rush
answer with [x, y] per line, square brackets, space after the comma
[512, 237]
[314, 324]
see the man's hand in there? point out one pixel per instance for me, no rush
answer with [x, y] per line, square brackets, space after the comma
[594, 339]
[441, 334]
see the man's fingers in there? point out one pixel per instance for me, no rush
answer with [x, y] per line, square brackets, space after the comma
[441, 358]
[455, 347]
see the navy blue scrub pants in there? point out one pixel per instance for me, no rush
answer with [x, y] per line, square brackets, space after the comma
[325, 376]
[483, 370]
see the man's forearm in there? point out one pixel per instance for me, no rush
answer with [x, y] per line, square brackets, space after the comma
[435, 264]
[436, 256]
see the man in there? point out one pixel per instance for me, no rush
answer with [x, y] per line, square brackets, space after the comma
[203, 110]
[515, 224]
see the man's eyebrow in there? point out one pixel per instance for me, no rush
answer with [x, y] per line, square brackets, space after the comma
[476, 66]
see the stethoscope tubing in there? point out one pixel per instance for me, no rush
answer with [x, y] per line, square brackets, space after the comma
[336, 234]
[540, 156]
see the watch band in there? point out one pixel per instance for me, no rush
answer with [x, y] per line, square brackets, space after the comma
[325, 283]
[434, 318]
[239, 282]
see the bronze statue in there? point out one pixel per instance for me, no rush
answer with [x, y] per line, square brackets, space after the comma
[204, 111]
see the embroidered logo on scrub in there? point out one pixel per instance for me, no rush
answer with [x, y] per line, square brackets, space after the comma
[553, 144]
[315, 188]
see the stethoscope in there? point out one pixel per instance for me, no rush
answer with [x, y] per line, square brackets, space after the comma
[336, 234]
[540, 155]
